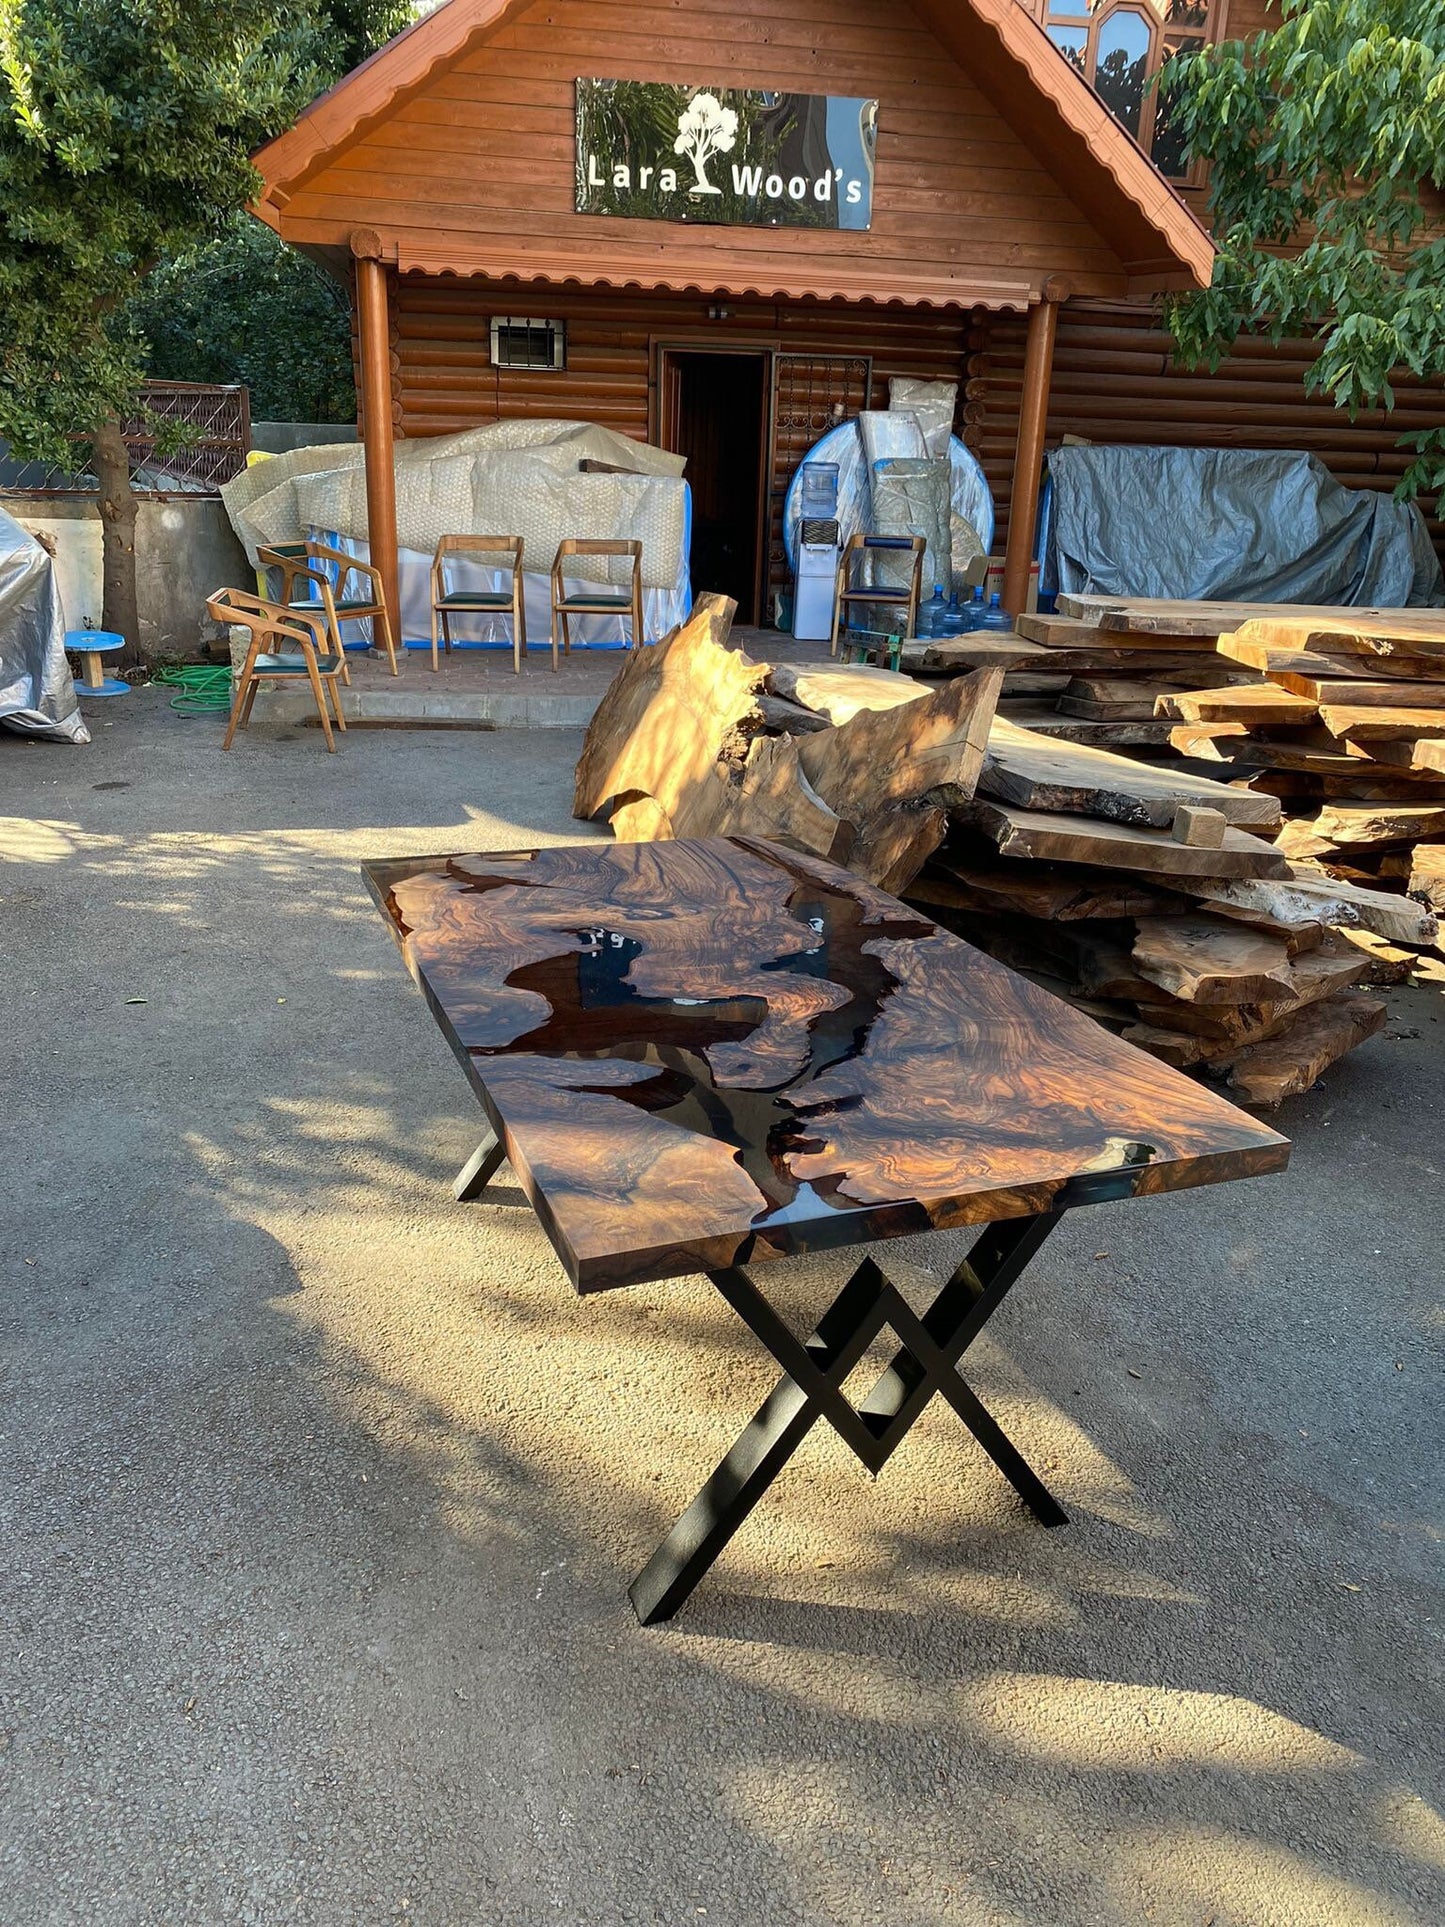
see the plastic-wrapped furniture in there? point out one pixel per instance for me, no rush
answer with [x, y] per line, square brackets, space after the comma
[849, 592]
[313, 563]
[447, 602]
[286, 644]
[599, 601]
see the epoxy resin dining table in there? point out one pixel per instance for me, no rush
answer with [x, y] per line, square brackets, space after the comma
[697, 1056]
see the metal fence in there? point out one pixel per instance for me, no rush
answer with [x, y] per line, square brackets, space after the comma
[219, 439]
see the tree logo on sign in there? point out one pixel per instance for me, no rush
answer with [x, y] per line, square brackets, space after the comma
[704, 128]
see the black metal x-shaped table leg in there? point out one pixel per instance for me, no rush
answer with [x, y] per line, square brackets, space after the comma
[814, 1370]
[480, 1168]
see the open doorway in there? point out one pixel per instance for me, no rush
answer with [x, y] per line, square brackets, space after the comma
[715, 410]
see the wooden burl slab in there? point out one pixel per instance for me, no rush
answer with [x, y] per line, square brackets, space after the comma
[700, 1053]
[673, 710]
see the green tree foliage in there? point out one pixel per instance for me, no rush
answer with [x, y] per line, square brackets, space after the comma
[240, 306]
[351, 29]
[245, 307]
[125, 131]
[1328, 132]
[125, 136]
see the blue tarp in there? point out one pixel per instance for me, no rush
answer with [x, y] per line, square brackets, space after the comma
[1230, 525]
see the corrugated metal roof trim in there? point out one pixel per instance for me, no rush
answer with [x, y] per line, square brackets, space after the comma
[765, 282]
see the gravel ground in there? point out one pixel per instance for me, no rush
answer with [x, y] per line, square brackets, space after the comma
[320, 1492]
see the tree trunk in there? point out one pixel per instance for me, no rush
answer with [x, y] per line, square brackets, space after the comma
[119, 610]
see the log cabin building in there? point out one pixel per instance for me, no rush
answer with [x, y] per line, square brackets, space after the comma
[986, 191]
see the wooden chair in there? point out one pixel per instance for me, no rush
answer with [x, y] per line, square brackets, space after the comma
[447, 602]
[286, 644]
[595, 602]
[306, 562]
[905, 599]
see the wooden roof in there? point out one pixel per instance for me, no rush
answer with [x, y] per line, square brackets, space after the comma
[1030, 177]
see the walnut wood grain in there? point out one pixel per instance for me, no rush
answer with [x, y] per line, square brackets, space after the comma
[1060, 838]
[1298, 1056]
[1040, 773]
[1204, 960]
[1264, 703]
[772, 798]
[933, 747]
[1272, 658]
[1375, 632]
[706, 1052]
[670, 713]
[837, 691]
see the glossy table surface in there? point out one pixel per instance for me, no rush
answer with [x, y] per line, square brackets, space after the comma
[700, 1054]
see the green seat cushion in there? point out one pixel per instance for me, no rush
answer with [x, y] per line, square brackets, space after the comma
[294, 665]
[476, 599]
[344, 605]
[602, 600]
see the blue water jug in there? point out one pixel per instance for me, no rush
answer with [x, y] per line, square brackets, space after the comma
[931, 615]
[971, 614]
[951, 622]
[995, 617]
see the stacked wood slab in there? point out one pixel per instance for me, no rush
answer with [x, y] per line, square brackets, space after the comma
[1151, 897]
[1071, 677]
[1154, 899]
[1347, 728]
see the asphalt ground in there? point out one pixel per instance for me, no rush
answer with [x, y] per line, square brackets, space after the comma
[320, 1493]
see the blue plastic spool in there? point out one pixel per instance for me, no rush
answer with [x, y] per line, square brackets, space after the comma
[90, 645]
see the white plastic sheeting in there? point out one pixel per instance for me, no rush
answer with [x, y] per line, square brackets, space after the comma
[910, 497]
[510, 478]
[37, 690]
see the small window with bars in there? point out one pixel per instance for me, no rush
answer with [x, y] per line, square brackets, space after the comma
[518, 342]
[1124, 48]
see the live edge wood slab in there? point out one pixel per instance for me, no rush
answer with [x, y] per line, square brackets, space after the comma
[701, 1054]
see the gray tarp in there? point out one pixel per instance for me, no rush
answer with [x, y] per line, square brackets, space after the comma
[37, 691]
[1231, 525]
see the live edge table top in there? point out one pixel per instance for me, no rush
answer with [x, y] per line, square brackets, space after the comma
[701, 1054]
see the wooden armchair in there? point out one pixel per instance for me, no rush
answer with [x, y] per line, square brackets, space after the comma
[599, 601]
[305, 562]
[447, 602]
[286, 644]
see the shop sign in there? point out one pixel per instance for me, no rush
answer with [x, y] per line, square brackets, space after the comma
[728, 156]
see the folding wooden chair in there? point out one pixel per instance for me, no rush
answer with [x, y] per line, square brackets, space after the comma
[905, 599]
[286, 644]
[595, 602]
[446, 602]
[306, 562]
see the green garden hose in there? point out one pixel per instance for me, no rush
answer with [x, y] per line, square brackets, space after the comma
[200, 689]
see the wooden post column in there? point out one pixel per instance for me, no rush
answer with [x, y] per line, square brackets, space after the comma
[1029, 455]
[374, 326]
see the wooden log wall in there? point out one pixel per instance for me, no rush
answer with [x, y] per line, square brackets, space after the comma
[444, 379]
[1114, 382]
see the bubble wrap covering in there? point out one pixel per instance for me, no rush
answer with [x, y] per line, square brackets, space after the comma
[910, 497]
[931, 404]
[509, 478]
